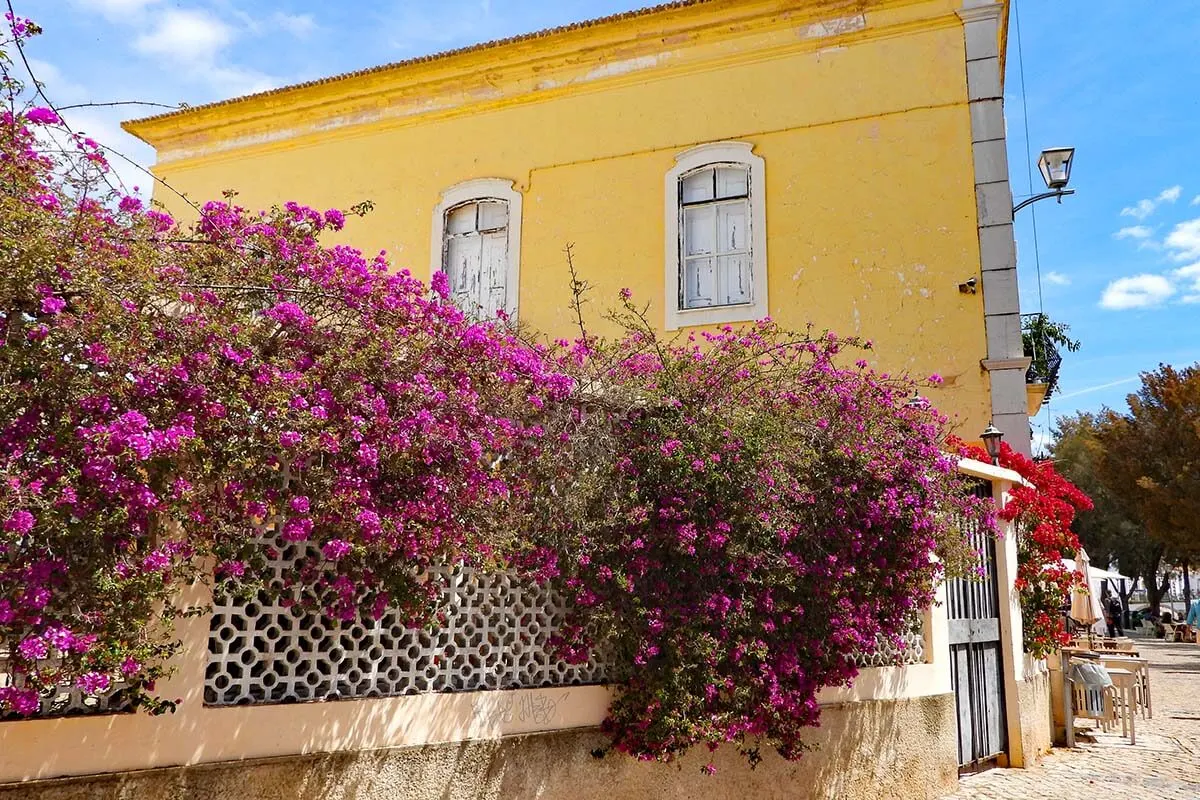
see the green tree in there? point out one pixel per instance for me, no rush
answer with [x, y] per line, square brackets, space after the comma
[1151, 460]
[1111, 532]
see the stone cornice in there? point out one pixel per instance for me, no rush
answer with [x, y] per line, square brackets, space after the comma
[996, 364]
[986, 11]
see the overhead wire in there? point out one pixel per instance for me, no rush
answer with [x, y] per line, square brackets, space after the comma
[1037, 256]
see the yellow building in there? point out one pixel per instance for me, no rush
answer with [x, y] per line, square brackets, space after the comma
[840, 163]
[834, 161]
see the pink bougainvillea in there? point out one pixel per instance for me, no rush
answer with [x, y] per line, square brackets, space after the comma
[169, 389]
[756, 515]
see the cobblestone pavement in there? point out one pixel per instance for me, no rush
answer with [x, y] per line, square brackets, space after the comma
[1164, 765]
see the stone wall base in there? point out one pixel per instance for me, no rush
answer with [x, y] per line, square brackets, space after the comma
[872, 750]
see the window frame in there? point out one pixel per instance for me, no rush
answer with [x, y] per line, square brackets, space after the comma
[482, 190]
[714, 156]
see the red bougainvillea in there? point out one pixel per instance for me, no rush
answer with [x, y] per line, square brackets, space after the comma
[1042, 511]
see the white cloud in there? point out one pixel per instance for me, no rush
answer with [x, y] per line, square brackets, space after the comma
[1134, 232]
[1058, 279]
[238, 81]
[1098, 388]
[298, 25]
[190, 38]
[115, 9]
[1145, 208]
[1138, 291]
[62, 91]
[196, 41]
[1184, 241]
[1189, 275]
[1196, 200]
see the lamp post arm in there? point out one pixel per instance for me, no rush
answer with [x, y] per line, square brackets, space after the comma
[1059, 193]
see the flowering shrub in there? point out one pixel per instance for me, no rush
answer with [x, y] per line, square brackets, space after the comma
[758, 515]
[1042, 512]
[168, 390]
[733, 516]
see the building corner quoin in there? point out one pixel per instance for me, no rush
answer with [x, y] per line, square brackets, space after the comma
[1005, 362]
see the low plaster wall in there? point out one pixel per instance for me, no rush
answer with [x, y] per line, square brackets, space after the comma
[879, 749]
[1037, 726]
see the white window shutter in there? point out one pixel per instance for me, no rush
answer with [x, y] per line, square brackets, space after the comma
[463, 262]
[493, 287]
[700, 283]
[477, 242]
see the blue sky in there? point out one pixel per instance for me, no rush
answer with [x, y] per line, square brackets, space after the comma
[1119, 262]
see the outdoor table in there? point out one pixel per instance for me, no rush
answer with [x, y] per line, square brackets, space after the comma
[1109, 651]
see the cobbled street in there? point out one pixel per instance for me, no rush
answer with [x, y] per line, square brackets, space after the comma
[1163, 765]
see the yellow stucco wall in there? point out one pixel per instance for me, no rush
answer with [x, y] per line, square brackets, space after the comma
[859, 110]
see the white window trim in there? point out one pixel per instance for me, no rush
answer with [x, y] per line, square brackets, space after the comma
[716, 154]
[473, 191]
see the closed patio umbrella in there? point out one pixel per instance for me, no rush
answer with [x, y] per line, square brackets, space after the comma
[1085, 606]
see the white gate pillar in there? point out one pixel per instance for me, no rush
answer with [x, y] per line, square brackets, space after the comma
[1012, 631]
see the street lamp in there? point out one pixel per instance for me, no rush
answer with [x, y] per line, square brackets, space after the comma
[1055, 166]
[992, 437]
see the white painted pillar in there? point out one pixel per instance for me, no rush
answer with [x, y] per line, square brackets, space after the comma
[937, 641]
[1012, 632]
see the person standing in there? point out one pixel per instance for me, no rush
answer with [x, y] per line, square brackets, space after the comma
[1112, 615]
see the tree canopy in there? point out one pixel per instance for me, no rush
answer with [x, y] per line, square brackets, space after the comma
[1142, 467]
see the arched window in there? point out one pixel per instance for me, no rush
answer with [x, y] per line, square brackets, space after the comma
[716, 236]
[477, 243]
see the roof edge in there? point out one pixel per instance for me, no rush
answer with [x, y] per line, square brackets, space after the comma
[134, 125]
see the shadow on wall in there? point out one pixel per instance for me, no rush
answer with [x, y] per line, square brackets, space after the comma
[879, 749]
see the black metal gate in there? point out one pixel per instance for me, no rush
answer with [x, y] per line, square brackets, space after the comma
[976, 655]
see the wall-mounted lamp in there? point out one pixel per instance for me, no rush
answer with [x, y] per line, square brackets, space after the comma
[969, 286]
[1055, 166]
[992, 437]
